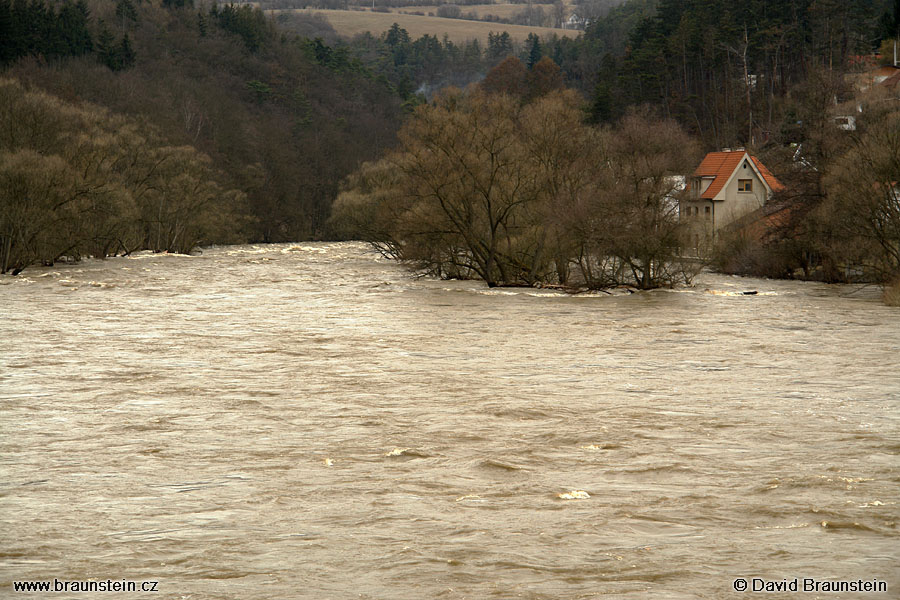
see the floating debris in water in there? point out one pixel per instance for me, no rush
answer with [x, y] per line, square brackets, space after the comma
[412, 452]
[499, 464]
[594, 447]
[471, 497]
[737, 293]
[574, 495]
[327, 462]
[398, 452]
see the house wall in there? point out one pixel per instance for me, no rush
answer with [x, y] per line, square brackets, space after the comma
[736, 204]
[698, 217]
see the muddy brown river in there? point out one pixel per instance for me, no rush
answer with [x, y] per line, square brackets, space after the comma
[312, 421]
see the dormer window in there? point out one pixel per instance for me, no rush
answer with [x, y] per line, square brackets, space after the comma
[745, 185]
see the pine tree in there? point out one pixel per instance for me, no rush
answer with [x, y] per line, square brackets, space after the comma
[126, 11]
[7, 33]
[81, 41]
[115, 56]
[499, 45]
[533, 50]
[125, 55]
[72, 34]
[202, 23]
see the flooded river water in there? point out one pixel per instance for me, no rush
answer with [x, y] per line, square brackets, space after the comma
[311, 421]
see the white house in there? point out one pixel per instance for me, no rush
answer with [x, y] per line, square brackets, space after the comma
[726, 186]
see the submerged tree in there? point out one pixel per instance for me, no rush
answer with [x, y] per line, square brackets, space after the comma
[79, 180]
[518, 194]
[646, 157]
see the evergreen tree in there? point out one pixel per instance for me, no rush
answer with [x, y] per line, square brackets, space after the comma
[72, 28]
[117, 57]
[125, 12]
[600, 109]
[890, 23]
[533, 50]
[105, 45]
[246, 21]
[20, 42]
[7, 33]
[499, 46]
[125, 55]
[202, 23]
[396, 36]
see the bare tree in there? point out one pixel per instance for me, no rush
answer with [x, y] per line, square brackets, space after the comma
[520, 194]
[862, 208]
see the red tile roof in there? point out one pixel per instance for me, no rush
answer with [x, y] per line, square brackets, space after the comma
[885, 71]
[721, 165]
[773, 183]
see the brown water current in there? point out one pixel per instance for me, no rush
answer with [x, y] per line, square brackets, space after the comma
[312, 421]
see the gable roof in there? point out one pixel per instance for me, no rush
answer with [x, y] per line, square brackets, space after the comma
[721, 165]
[773, 183]
[885, 71]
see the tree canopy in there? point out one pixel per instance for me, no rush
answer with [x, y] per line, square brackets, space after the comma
[516, 193]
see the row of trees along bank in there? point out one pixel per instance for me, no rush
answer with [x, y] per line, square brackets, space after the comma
[78, 180]
[487, 185]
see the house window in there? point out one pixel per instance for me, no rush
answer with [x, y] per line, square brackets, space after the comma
[745, 185]
[706, 212]
[696, 210]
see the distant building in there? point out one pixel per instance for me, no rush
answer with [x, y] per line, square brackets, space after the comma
[575, 22]
[886, 76]
[845, 122]
[890, 80]
[883, 74]
[725, 187]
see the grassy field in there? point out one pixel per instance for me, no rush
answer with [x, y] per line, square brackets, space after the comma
[504, 11]
[501, 10]
[348, 23]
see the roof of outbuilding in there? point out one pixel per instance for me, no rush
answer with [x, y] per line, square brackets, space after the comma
[892, 81]
[885, 71]
[720, 166]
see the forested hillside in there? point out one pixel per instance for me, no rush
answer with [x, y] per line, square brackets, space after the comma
[725, 69]
[280, 123]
